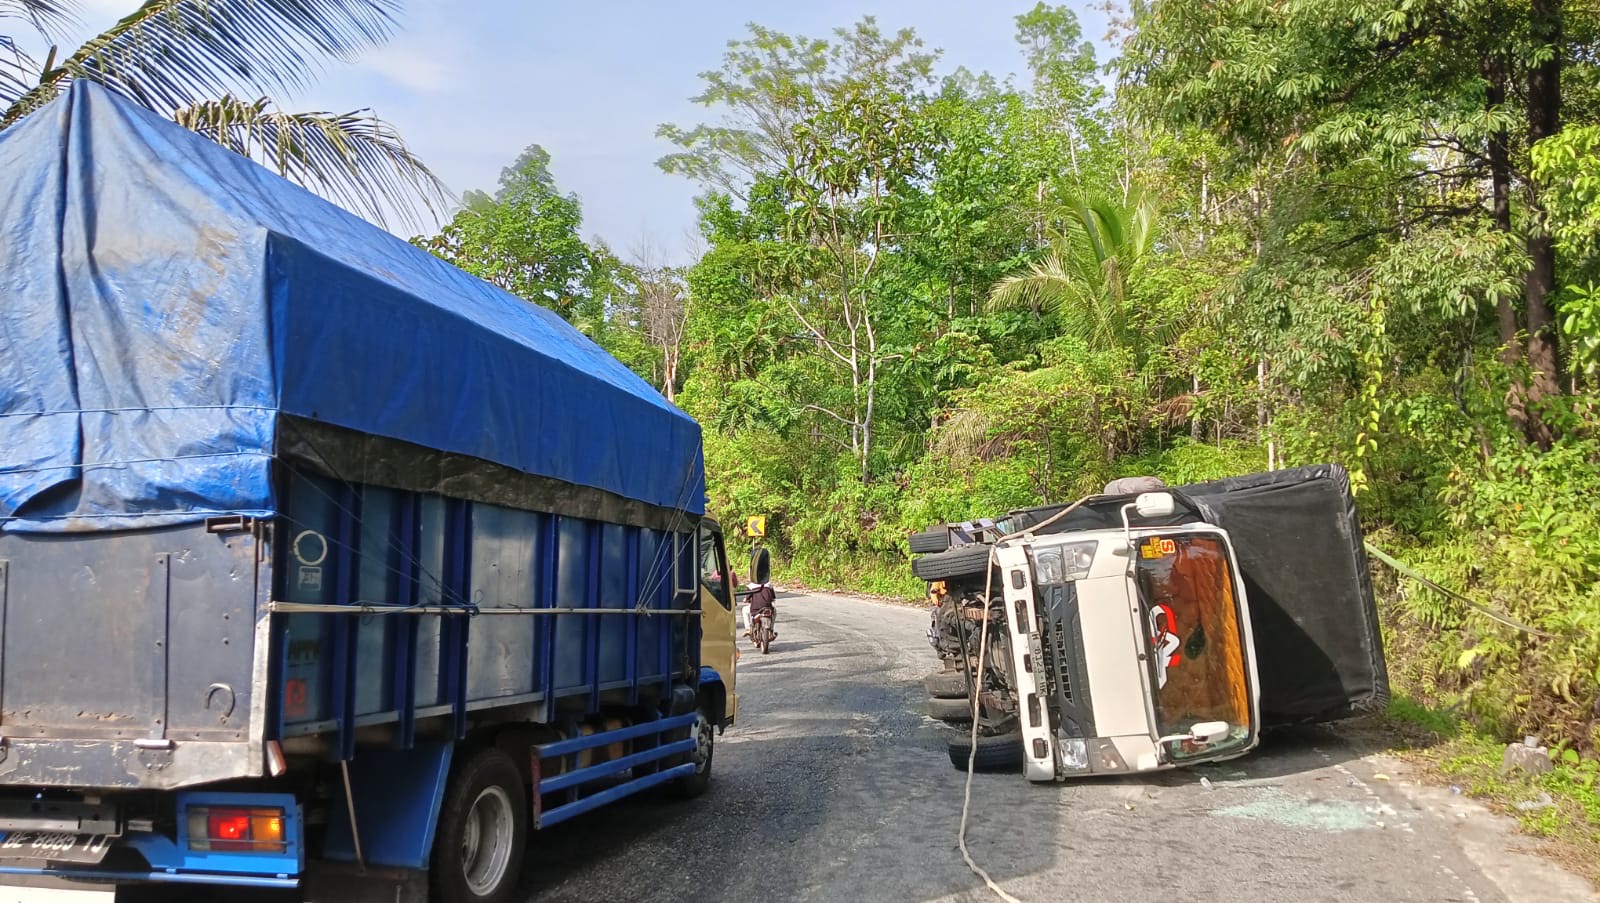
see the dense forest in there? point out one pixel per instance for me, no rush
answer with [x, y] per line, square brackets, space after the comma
[1264, 234]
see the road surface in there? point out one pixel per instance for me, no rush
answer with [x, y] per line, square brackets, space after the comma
[834, 786]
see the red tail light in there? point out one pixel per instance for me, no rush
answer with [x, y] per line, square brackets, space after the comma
[236, 830]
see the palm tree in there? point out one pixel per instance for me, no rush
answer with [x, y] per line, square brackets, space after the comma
[192, 59]
[1084, 277]
[1085, 282]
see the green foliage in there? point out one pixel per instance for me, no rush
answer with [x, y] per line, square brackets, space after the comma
[1572, 816]
[525, 239]
[927, 302]
[1567, 165]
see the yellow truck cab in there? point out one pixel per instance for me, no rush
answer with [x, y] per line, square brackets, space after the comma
[718, 624]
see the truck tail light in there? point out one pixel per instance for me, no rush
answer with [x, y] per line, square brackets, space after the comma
[232, 830]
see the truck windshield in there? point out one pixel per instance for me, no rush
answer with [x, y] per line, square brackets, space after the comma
[1186, 589]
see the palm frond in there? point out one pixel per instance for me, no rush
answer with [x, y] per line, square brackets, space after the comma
[17, 71]
[50, 18]
[171, 54]
[1084, 276]
[353, 158]
[1046, 285]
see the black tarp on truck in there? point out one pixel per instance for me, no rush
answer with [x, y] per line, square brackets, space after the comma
[1319, 652]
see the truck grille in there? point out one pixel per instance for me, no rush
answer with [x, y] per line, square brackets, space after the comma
[1062, 649]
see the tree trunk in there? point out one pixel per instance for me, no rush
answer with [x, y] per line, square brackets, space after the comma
[1510, 330]
[670, 375]
[1194, 411]
[1544, 120]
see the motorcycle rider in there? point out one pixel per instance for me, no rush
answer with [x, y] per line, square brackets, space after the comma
[762, 600]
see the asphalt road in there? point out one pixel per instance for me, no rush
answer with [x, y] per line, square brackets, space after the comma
[834, 786]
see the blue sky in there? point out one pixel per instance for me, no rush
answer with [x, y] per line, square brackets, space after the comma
[470, 83]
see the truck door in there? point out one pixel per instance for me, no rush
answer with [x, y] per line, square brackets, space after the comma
[717, 622]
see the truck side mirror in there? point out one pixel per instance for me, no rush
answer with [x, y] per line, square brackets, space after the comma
[760, 566]
[1209, 732]
[1155, 504]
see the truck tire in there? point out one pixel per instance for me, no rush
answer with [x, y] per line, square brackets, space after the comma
[961, 561]
[935, 540]
[483, 831]
[1002, 752]
[946, 685]
[954, 711]
[704, 733]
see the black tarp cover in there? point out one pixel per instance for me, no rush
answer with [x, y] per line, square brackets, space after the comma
[1319, 651]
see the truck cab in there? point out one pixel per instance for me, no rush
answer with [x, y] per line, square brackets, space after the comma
[1117, 642]
[718, 624]
[1129, 649]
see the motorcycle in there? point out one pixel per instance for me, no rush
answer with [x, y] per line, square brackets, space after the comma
[761, 632]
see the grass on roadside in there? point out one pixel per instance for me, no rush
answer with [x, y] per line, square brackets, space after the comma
[1562, 806]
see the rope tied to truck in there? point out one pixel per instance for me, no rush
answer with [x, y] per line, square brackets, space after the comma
[1403, 570]
[977, 686]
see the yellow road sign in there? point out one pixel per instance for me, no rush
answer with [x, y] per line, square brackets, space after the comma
[755, 526]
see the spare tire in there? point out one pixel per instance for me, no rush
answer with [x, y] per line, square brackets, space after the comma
[934, 540]
[1134, 485]
[946, 685]
[961, 561]
[1002, 752]
[954, 711]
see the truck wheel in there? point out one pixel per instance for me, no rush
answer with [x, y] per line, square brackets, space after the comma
[483, 831]
[935, 540]
[955, 711]
[998, 753]
[946, 685]
[705, 741]
[961, 561]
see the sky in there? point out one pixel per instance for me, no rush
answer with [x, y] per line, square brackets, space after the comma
[470, 83]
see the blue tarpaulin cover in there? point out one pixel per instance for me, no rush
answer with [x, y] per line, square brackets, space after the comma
[164, 300]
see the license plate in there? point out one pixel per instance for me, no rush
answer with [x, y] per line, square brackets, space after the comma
[55, 846]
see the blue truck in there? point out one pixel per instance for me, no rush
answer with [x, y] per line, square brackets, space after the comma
[323, 564]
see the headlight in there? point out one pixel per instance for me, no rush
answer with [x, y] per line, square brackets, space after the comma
[1058, 564]
[1107, 758]
[1074, 754]
[1047, 567]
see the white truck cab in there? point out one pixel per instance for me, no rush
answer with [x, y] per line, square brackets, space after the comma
[1131, 649]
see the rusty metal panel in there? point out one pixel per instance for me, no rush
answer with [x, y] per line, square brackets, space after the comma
[144, 636]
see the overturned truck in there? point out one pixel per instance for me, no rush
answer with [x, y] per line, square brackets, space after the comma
[1136, 631]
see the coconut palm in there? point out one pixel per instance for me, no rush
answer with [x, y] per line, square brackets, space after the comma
[197, 61]
[1084, 278]
[1085, 282]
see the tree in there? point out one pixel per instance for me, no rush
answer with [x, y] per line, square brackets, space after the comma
[1425, 101]
[191, 60]
[1064, 76]
[660, 312]
[1085, 276]
[525, 239]
[830, 128]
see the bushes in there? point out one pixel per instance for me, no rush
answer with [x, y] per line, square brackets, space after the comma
[1524, 543]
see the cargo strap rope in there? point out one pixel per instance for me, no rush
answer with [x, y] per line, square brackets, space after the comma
[977, 687]
[1405, 571]
[350, 806]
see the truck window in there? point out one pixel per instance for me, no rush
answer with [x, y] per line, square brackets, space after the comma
[714, 567]
[1192, 619]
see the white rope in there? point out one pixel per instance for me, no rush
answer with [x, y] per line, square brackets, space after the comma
[972, 747]
[977, 686]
